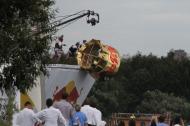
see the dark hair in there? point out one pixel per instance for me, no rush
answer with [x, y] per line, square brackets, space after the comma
[161, 118]
[27, 103]
[87, 101]
[65, 95]
[77, 108]
[121, 123]
[49, 102]
[132, 122]
[153, 122]
[177, 120]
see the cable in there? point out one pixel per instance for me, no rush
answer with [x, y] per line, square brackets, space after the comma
[68, 24]
[67, 16]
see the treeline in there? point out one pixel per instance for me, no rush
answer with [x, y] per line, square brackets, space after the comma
[146, 84]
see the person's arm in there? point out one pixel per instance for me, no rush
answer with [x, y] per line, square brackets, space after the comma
[39, 117]
[61, 119]
[85, 120]
[18, 119]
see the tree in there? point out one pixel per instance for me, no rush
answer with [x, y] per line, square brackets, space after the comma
[158, 102]
[139, 74]
[25, 33]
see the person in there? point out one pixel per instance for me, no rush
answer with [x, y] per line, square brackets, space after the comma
[78, 45]
[65, 107]
[78, 118]
[161, 121]
[72, 51]
[132, 121]
[178, 121]
[51, 116]
[89, 112]
[27, 117]
[121, 123]
[97, 113]
[58, 49]
[153, 121]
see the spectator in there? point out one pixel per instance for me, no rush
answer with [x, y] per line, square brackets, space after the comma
[89, 112]
[72, 51]
[178, 121]
[51, 116]
[154, 121]
[78, 118]
[161, 121]
[26, 117]
[65, 107]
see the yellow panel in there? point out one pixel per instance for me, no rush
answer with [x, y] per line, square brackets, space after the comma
[23, 99]
[70, 86]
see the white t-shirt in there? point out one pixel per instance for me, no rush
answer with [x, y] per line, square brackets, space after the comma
[26, 117]
[51, 116]
[98, 116]
[90, 114]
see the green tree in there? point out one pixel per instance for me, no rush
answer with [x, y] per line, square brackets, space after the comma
[158, 102]
[25, 36]
[23, 44]
[141, 73]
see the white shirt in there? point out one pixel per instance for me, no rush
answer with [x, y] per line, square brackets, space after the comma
[26, 117]
[51, 116]
[90, 114]
[65, 108]
[98, 116]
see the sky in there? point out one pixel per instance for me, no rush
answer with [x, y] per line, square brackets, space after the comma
[147, 26]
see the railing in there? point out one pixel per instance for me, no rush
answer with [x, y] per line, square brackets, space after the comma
[142, 119]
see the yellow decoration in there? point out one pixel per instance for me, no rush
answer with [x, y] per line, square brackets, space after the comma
[24, 98]
[98, 58]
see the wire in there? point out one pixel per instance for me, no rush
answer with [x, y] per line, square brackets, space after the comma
[68, 24]
[67, 16]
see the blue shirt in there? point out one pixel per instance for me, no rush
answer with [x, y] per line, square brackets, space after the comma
[78, 119]
[162, 124]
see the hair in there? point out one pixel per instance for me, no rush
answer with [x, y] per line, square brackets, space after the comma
[65, 95]
[132, 122]
[49, 102]
[153, 122]
[177, 120]
[27, 103]
[77, 107]
[161, 118]
[121, 123]
[87, 101]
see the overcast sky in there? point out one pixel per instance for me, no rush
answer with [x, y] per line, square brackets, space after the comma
[131, 25]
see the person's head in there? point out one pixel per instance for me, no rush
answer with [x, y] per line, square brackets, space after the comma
[77, 108]
[65, 95]
[93, 103]
[28, 105]
[121, 123]
[132, 122]
[87, 101]
[84, 41]
[49, 102]
[161, 118]
[153, 123]
[177, 120]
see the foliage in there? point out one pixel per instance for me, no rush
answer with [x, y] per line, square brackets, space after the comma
[24, 45]
[139, 74]
[9, 107]
[158, 102]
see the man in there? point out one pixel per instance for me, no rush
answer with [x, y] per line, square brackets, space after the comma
[89, 112]
[26, 117]
[51, 116]
[98, 114]
[78, 118]
[161, 121]
[65, 107]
